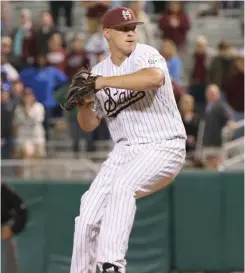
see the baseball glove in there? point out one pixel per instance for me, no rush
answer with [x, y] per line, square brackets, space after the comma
[82, 85]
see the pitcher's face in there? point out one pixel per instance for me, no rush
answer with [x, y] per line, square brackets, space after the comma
[123, 38]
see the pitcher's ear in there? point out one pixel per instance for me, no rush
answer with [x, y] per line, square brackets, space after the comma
[106, 32]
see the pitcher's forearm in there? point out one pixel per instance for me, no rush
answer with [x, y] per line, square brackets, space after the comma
[143, 79]
[87, 119]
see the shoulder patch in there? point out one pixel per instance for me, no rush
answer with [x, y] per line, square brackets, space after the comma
[156, 58]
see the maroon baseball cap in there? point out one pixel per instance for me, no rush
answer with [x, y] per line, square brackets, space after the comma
[119, 17]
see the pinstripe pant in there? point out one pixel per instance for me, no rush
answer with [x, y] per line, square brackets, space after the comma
[108, 208]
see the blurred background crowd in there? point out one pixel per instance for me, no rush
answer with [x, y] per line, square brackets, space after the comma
[44, 43]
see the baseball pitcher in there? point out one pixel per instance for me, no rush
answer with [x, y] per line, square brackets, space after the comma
[132, 90]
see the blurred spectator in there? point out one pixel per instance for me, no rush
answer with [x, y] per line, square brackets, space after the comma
[198, 70]
[229, 4]
[14, 216]
[190, 120]
[77, 134]
[95, 46]
[95, 10]
[56, 53]
[57, 6]
[175, 23]
[149, 8]
[145, 32]
[160, 6]
[217, 115]
[234, 88]
[102, 57]
[24, 42]
[4, 78]
[17, 92]
[221, 66]
[169, 52]
[74, 129]
[6, 67]
[6, 45]
[28, 123]
[46, 30]
[241, 18]
[44, 79]
[8, 54]
[208, 8]
[100, 133]
[76, 58]
[177, 90]
[7, 49]
[7, 110]
[214, 7]
[201, 60]
[5, 17]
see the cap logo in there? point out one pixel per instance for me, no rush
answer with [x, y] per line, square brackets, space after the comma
[126, 15]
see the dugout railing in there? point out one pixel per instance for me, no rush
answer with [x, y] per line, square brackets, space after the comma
[233, 148]
[231, 151]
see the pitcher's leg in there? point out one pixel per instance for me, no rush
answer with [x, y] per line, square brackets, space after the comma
[85, 235]
[87, 224]
[155, 164]
[116, 227]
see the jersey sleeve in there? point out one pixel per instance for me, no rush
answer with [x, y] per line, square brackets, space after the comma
[150, 59]
[95, 70]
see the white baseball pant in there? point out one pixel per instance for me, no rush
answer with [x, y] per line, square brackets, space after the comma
[108, 208]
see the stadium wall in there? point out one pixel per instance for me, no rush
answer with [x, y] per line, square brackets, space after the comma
[196, 224]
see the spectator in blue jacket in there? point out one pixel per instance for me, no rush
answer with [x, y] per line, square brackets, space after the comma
[44, 80]
[174, 63]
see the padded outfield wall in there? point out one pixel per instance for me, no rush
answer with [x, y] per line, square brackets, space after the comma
[196, 224]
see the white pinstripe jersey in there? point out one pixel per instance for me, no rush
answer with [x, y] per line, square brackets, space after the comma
[135, 117]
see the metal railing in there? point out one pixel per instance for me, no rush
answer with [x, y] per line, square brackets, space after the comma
[231, 151]
[231, 162]
[53, 169]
